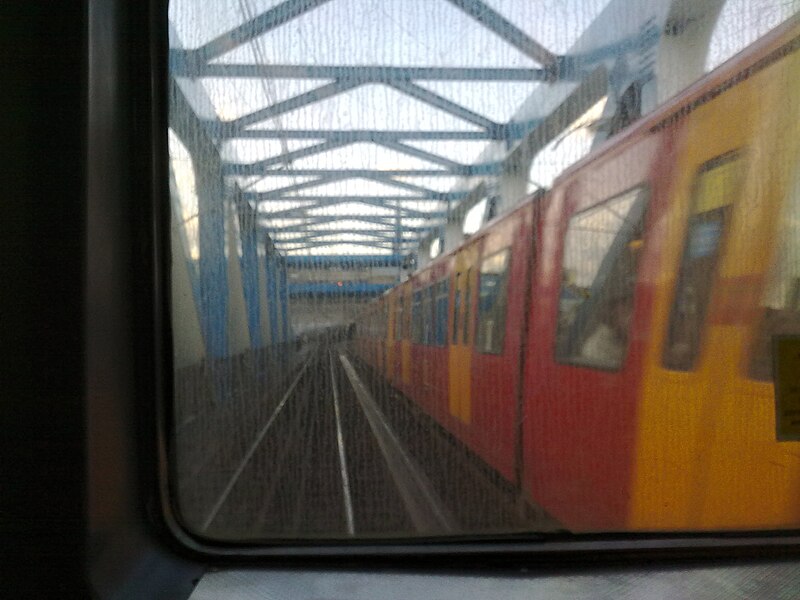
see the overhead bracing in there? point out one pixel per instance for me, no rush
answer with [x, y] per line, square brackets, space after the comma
[382, 231]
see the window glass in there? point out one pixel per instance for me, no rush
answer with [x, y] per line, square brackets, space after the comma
[781, 300]
[398, 319]
[416, 321]
[313, 168]
[442, 291]
[456, 308]
[427, 315]
[715, 187]
[601, 253]
[492, 301]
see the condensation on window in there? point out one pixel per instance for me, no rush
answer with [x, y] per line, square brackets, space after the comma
[454, 269]
[742, 22]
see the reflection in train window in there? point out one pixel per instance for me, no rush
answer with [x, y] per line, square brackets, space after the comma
[781, 300]
[601, 256]
[416, 319]
[456, 308]
[427, 315]
[442, 291]
[716, 187]
[398, 319]
[492, 302]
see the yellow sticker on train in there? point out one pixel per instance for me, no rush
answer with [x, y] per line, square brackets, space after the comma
[786, 357]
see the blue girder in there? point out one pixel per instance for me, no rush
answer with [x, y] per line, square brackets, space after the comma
[343, 261]
[346, 289]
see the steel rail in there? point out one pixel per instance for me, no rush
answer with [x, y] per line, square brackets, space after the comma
[423, 505]
[234, 478]
[348, 499]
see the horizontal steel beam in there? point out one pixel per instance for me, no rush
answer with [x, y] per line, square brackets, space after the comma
[287, 158]
[387, 236]
[329, 200]
[389, 223]
[285, 193]
[180, 67]
[344, 261]
[285, 246]
[319, 227]
[346, 288]
[376, 201]
[347, 135]
[241, 170]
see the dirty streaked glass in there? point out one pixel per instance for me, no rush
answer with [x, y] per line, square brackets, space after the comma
[484, 267]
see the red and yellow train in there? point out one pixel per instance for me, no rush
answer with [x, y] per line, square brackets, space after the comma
[606, 345]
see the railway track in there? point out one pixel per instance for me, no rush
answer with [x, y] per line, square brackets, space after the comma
[335, 460]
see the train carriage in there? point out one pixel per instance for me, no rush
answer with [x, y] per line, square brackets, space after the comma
[606, 346]
[495, 264]
[430, 313]
[662, 426]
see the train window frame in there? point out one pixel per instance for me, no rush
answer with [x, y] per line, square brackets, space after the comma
[446, 549]
[581, 332]
[496, 344]
[736, 160]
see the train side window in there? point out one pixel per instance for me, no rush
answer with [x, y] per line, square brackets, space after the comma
[601, 255]
[715, 187]
[416, 319]
[456, 307]
[492, 303]
[467, 309]
[441, 316]
[398, 319]
[781, 300]
[427, 315]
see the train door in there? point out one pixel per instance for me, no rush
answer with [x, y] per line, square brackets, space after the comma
[707, 431]
[460, 342]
